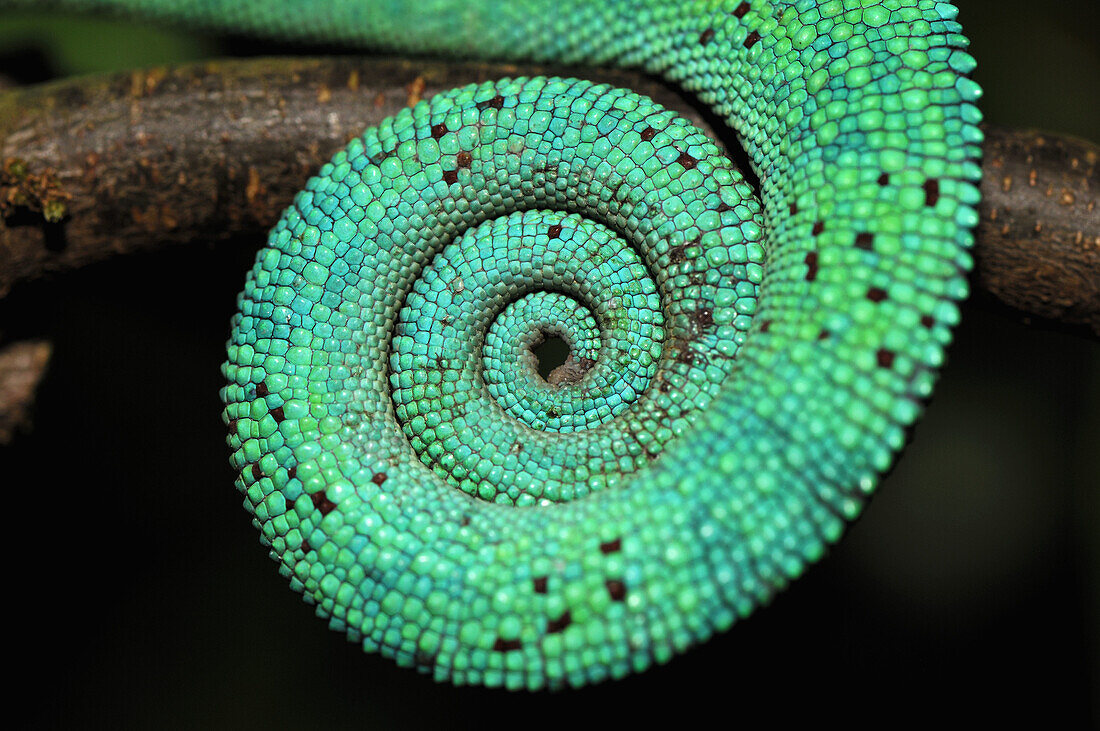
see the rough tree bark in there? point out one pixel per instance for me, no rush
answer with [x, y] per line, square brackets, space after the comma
[1038, 247]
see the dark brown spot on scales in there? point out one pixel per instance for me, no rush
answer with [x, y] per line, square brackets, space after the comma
[322, 503]
[931, 191]
[496, 102]
[811, 266]
[557, 625]
[611, 546]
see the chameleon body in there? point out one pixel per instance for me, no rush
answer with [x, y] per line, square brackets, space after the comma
[747, 369]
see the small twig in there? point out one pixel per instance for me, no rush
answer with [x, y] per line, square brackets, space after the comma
[22, 365]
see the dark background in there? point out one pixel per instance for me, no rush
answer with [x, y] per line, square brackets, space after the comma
[968, 592]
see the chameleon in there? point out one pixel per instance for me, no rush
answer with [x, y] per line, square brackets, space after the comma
[744, 365]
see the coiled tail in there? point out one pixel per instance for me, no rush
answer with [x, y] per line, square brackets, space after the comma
[747, 369]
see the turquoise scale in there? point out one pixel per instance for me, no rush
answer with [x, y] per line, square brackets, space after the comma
[415, 478]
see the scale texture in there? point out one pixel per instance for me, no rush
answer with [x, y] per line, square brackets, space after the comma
[743, 370]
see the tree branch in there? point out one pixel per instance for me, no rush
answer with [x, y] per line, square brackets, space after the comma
[98, 166]
[106, 165]
[1038, 246]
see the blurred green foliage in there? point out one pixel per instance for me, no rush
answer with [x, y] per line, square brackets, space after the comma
[80, 45]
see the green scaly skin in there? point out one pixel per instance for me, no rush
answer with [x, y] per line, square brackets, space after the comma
[749, 369]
